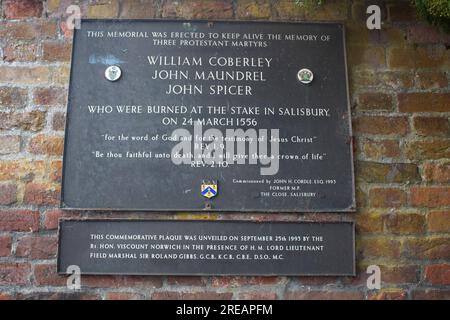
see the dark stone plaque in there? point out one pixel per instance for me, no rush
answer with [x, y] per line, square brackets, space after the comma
[272, 96]
[206, 247]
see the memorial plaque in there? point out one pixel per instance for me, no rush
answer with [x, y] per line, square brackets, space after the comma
[223, 116]
[173, 247]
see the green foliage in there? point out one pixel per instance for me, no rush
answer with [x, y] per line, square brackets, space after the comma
[436, 12]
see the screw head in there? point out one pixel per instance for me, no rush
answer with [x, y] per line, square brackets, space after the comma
[113, 73]
[305, 76]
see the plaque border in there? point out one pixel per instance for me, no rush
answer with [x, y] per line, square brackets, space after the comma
[351, 223]
[349, 209]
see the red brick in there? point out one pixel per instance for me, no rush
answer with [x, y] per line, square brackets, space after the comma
[5, 296]
[37, 247]
[324, 295]
[242, 281]
[253, 9]
[49, 96]
[121, 281]
[16, 9]
[400, 274]
[380, 247]
[51, 219]
[46, 295]
[427, 80]
[374, 101]
[388, 294]
[19, 220]
[123, 296]
[429, 248]
[29, 121]
[26, 75]
[438, 221]
[380, 149]
[419, 33]
[387, 172]
[19, 30]
[438, 274]
[42, 194]
[258, 295]
[432, 126]
[436, 171]
[405, 223]
[401, 11]
[430, 197]
[23, 169]
[424, 102]
[56, 51]
[412, 57]
[59, 121]
[431, 294]
[5, 246]
[139, 9]
[387, 198]
[428, 149]
[175, 295]
[185, 281]
[381, 125]
[13, 97]
[56, 170]
[42, 144]
[370, 56]
[14, 274]
[20, 52]
[46, 275]
[8, 193]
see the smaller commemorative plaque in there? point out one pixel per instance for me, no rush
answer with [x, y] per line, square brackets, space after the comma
[206, 247]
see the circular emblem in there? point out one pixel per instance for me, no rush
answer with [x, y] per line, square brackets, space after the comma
[305, 76]
[113, 73]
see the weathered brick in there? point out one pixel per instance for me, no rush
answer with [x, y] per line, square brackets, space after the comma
[42, 194]
[387, 198]
[401, 11]
[20, 52]
[371, 56]
[14, 273]
[185, 281]
[9, 144]
[25, 75]
[19, 220]
[400, 273]
[123, 296]
[381, 125]
[46, 295]
[8, 193]
[56, 170]
[436, 171]
[18, 30]
[388, 294]
[421, 34]
[24, 170]
[369, 222]
[374, 101]
[417, 57]
[323, 295]
[139, 9]
[438, 274]
[253, 9]
[385, 79]
[387, 172]
[16, 9]
[103, 9]
[428, 248]
[431, 294]
[204, 295]
[46, 275]
[380, 149]
[56, 51]
[405, 223]
[330, 10]
[42, 144]
[380, 247]
[60, 75]
[432, 126]
[30, 121]
[5, 296]
[438, 221]
[428, 149]
[424, 102]
[49, 96]
[51, 218]
[13, 97]
[5, 246]
[242, 281]
[213, 9]
[58, 121]
[258, 295]
[430, 197]
[121, 281]
[288, 10]
[37, 247]
[427, 80]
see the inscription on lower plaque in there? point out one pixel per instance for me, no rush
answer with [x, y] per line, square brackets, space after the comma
[206, 247]
[223, 116]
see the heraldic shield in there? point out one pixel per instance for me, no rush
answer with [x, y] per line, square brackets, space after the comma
[209, 189]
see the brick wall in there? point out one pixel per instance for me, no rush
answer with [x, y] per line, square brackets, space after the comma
[400, 94]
